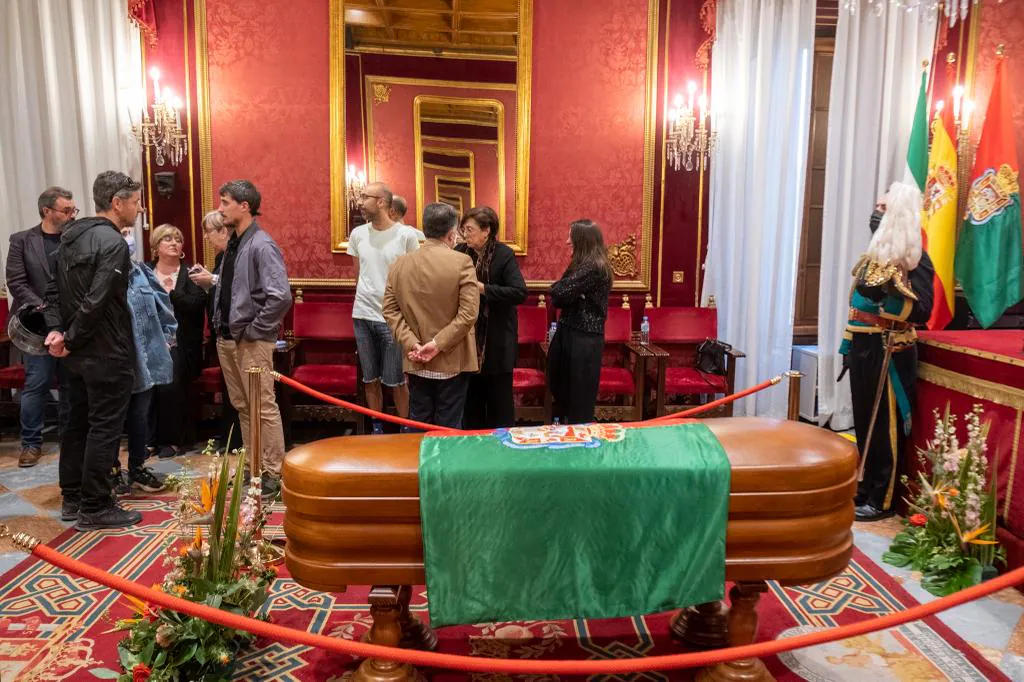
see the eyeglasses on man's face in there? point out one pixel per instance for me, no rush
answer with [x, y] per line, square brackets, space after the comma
[364, 196]
[69, 211]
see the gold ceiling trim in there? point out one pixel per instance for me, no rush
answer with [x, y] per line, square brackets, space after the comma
[435, 138]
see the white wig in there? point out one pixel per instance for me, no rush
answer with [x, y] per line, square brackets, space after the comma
[898, 238]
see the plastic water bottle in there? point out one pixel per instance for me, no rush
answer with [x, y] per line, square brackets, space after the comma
[645, 331]
[551, 331]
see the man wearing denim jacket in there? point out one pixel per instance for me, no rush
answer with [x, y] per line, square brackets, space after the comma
[251, 298]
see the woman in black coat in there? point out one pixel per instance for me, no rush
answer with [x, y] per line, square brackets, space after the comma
[170, 402]
[574, 359]
[489, 402]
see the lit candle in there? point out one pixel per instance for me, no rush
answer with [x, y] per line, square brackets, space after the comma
[691, 88]
[154, 73]
[958, 95]
[703, 103]
[168, 96]
[968, 110]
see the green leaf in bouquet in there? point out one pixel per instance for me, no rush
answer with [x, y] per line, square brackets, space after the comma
[184, 654]
[212, 561]
[126, 657]
[231, 531]
[161, 658]
[104, 673]
[147, 653]
[896, 559]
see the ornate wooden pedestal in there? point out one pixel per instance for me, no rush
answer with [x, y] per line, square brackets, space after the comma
[742, 629]
[704, 626]
[386, 611]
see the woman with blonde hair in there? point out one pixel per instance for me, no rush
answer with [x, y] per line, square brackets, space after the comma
[173, 430]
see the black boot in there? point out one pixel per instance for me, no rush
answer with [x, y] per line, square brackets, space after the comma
[69, 509]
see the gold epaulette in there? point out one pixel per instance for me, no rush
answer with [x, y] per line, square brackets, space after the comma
[874, 274]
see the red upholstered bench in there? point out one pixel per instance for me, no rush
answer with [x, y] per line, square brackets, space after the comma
[675, 335]
[529, 380]
[325, 360]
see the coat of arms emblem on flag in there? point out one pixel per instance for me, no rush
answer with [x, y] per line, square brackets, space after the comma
[558, 436]
[991, 194]
[939, 190]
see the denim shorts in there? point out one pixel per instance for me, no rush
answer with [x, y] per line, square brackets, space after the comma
[379, 353]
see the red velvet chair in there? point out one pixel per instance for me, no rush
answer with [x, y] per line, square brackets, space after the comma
[325, 360]
[529, 382]
[12, 377]
[675, 335]
[621, 390]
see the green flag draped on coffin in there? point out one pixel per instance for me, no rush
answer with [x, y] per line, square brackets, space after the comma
[593, 521]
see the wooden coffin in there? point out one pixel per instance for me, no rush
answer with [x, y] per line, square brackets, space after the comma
[353, 514]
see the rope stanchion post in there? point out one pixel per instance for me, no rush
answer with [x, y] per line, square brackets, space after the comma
[794, 377]
[269, 554]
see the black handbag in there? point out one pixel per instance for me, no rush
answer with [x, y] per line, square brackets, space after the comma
[711, 356]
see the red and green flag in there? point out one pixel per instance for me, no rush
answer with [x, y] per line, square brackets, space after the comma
[988, 254]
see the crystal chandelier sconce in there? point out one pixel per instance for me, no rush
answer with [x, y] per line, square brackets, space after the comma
[355, 183]
[689, 139]
[159, 125]
[952, 10]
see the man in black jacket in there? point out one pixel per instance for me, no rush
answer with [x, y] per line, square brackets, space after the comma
[29, 268]
[87, 312]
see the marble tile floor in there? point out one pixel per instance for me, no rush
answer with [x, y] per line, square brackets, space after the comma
[30, 501]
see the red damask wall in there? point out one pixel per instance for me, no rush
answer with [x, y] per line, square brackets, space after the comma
[268, 82]
[1002, 24]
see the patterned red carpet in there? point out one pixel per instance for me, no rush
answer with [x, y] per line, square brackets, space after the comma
[57, 627]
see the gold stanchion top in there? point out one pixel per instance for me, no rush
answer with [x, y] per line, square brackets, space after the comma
[254, 370]
[22, 541]
[793, 374]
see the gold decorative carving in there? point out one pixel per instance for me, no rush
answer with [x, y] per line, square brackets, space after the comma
[648, 301]
[381, 93]
[298, 296]
[711, 302]
[540, 302]
[622, 257]
[625, 301]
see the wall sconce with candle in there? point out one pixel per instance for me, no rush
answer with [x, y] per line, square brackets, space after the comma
[159, 125]
[690, 138]
[355, 183]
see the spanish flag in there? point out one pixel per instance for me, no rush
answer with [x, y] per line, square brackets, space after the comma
[988, 255]
[940, 218]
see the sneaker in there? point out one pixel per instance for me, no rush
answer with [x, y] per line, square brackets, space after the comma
[29, 457]
[377, 427]
[145, 479]
[270, 488]
[114, 516]
[69, 510]
[119, 485]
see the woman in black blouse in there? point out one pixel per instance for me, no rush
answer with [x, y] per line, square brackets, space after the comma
[489, 402]
[574, 359]
[173, 430]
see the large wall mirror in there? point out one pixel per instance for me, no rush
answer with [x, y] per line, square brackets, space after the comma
[433, 98]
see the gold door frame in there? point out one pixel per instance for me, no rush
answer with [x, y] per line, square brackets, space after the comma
[454, 178]
[524, 72]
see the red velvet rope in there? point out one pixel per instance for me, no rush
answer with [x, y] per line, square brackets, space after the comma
[517, 666]
[402, 421]
[717, 403]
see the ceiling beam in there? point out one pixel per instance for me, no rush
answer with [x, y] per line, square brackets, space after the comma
[388, 19]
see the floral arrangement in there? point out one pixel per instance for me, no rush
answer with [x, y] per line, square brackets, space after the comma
[950, 537]
[216, 561]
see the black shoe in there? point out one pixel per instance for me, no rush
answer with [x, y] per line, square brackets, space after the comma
[145, 479]
[866, 513]
[270, 488]
[69, 510]
[166, 452]
[113, 516]
[118, 483]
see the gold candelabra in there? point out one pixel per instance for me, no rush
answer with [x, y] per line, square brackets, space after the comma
[690, 139]
[160, 130]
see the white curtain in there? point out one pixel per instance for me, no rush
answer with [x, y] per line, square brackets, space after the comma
[876, 78]
[69, 69]
[761, 95]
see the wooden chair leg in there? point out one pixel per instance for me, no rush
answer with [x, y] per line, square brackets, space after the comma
[659, 409]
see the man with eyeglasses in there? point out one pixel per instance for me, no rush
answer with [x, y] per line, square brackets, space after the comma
[30, 260]
[374, 246]
[91, 327]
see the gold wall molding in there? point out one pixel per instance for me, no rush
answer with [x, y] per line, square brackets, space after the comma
[188, 127]
[974, 352]
[622, 257]
[203, 108]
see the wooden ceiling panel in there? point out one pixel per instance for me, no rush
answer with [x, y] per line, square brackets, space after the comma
[484, 27]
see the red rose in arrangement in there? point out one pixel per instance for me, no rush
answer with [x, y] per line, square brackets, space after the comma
[918, 520]
[140, 673]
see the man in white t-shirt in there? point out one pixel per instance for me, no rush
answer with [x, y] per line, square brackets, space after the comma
[374, 247]
[399, 207]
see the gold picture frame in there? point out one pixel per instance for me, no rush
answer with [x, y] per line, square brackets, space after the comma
[338, 163]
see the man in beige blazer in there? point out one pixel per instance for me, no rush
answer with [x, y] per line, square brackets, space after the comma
[431, 302]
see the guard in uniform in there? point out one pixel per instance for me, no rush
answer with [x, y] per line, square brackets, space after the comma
[892, 291]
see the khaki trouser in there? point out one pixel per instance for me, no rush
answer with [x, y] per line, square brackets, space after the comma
[235, 359]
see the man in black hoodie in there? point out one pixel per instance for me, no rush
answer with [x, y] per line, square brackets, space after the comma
[87, 313]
